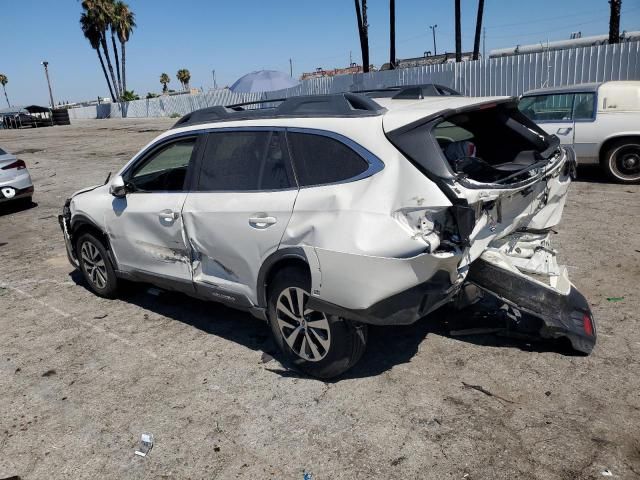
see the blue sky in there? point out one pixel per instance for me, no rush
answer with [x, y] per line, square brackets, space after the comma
[236, 37]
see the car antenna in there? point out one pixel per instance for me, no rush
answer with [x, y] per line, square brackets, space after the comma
[108, 177]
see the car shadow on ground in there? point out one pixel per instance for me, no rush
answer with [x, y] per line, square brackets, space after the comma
[387, 346]
[15, 206]
[592, 174]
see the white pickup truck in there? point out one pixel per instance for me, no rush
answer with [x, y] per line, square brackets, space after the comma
[600, 120]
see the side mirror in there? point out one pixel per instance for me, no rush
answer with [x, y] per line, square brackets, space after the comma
[117, 187]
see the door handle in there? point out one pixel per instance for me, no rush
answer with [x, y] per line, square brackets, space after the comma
[262, 222]
[168, 215]
[564, 131]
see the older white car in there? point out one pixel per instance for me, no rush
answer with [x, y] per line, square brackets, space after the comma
[601, 121]
[328, 213]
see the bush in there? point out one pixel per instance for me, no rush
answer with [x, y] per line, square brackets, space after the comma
[175, 115]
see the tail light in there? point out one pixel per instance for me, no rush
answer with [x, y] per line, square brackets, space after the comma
[587, 324]
[18, 164]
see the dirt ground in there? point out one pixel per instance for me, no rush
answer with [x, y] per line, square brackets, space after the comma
[82, 377]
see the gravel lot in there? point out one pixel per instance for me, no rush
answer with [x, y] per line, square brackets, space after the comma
[82, 377]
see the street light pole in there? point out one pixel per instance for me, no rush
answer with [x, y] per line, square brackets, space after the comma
[433, 30]
[46, 72]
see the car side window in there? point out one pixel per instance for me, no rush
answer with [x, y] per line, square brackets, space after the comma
[165, 170]
[245, 161]
[548, 108]
[319, 159]
[584, 106]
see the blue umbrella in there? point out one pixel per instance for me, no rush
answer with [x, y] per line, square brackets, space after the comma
[263, 81]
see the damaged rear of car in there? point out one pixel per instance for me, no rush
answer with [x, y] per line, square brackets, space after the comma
[508, 181]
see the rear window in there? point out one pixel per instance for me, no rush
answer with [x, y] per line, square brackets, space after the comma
[319, 160]
[488, 145]
[245, 161]
[548, 108]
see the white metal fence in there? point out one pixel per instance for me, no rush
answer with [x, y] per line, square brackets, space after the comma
[497, 76]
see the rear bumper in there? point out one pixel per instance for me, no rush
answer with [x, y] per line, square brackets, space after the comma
[402, 308]
[383, 290]
[25, 192]
[566, 316]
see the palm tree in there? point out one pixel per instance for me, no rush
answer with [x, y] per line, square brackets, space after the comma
[183, 77]
[129, 96]
[614, 21]
[363, 32]
[476, 41]
[91, 33]
[458, 33]
[100, 13]
[124, 24]
[3, 81]
[392, 33]
[164, 80]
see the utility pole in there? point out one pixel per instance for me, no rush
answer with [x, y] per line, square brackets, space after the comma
[213, 74]
[614, 21]
[433, 31]
[484, 42]
[290, 68]
[46, 72]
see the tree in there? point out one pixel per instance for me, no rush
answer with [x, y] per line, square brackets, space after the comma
[91, 33]
[476, 41]
[3, 81]
[183, 77]
[100, 12]
[392, 33]
[363, 32]
[458, 33]
[151, 95]
[129, 96]
[164, 80]
[614, 21]
[124, 23]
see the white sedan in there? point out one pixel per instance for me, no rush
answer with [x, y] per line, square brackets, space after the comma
[15, 181]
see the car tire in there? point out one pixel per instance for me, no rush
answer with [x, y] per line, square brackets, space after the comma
[96, 267]
[621, 161]
[324, 346]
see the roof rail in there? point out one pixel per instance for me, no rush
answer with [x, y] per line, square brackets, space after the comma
[334, 105]
[410, 92]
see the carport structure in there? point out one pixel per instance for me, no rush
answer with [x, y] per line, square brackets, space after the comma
[26, 116]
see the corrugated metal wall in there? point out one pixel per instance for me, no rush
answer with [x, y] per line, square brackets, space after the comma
[497, 76]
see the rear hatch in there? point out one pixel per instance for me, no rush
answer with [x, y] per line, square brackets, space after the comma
[508, 181]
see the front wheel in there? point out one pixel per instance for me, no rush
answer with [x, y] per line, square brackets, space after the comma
[622, 161]
[319, 344]
[96, 266]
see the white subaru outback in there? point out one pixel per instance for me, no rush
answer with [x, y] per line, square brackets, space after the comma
[325, 214]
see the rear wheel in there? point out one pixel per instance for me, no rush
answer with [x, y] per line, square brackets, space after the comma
[96, 266]
[319, 344]
[622, 161]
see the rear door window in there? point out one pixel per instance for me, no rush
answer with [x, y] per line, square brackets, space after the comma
[584, 106]
[548, 108]
[245, 161]
[319, 160]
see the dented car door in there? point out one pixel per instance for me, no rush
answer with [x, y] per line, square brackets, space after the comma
[145, 227]
[240, 207]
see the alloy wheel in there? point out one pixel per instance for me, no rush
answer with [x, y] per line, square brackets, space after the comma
[306, 331]
[93, 265]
